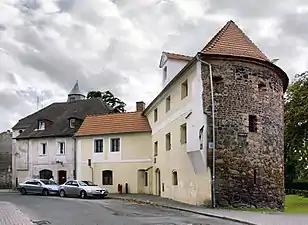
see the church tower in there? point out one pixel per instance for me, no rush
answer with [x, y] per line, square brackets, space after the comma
[75, 94]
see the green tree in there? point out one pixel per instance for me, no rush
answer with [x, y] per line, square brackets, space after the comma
[296, 126]
[115, 103]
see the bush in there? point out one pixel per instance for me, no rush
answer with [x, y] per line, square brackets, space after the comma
[298, 185]
[303, 193]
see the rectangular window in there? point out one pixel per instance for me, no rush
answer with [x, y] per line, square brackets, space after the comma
[72, 123]
[155, 148]
[184, 89]
[165, 73]
[61, 148]
[146, 179]
[98, 145]
[115, 144]
[43, 148]
[168, 141]
[41, 125]
[252, 123]
[107, 177]
[183, 134]
[155, 115]
[168, 103]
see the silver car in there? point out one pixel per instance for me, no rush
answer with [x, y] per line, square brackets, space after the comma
[80, 189]
[38, 186]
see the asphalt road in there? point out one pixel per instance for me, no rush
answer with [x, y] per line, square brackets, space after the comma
[71, 211]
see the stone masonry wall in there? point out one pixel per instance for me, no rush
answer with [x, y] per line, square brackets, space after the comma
[5, 160]
[249, 165]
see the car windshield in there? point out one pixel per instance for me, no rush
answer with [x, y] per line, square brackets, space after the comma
[89, 183]
[48, 182]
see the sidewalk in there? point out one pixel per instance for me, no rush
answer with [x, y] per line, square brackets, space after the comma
[251, 218]
[11, 215]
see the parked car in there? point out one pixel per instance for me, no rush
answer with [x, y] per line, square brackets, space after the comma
[77, 188]
[38, 186]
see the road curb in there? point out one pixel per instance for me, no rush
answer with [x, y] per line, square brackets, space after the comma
[182, 209]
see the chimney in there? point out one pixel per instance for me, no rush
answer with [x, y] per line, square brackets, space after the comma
[140, 106]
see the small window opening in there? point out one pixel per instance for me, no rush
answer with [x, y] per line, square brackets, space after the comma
[252, 123]
[165, 73]
[254, 176]
[184, 89]
[183, 134]
[168, 141]
[168, 103]
[175, 178]
[146, 179]
[262, 87]
[155, 115]
[107, 177]
[155, 148]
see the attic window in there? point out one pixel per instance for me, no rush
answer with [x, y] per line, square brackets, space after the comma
[41, 125]
[165, 73]
[20, 131]
[72, 123]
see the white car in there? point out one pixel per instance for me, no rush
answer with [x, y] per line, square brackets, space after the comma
[38, 186]
[81, 189]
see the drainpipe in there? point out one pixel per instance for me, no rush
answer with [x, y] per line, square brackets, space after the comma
[213, 128]
[75, 157]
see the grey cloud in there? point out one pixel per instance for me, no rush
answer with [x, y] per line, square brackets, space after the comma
[66, 5]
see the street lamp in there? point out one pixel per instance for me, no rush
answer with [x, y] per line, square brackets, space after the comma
[213, 127]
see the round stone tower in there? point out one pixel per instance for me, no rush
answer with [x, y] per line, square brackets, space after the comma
[249, 121]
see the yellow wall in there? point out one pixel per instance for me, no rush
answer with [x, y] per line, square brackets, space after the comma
[192, 188]
[135, 154]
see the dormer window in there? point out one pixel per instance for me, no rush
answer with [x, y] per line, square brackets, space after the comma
[41, 125]
[72, 123]
[165, 73]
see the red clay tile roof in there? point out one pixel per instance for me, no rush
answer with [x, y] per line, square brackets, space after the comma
[177, 56]
[231, 40]
[114, 123]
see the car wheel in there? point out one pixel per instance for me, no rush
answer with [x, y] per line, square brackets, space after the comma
[23, 191]
[62, 193]
[45, 192]
[83, 194]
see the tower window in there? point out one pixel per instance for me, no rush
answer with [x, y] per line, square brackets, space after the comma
[254, 176]
[168, 103]
[252, 123]
[174, 178]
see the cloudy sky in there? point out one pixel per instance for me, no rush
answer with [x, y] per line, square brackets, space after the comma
[46, 45]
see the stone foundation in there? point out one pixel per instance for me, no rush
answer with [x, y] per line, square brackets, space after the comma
[249, 152]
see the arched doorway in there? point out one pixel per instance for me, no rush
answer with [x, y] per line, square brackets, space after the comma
[45, 174]
[157, 182]
[61, 176]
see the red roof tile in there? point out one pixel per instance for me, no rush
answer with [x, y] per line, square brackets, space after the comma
[231, 40]
[114, 123]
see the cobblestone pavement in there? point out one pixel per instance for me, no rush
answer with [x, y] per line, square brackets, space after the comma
[11, 215]
[69, 211]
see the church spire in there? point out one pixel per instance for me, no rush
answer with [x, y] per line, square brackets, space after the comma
[75, 93]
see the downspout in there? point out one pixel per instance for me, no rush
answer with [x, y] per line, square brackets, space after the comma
[213, 128]
[75, 158]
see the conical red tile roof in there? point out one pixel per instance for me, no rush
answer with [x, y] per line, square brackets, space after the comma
[231, 40]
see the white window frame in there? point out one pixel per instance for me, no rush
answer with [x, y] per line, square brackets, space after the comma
[41, 148]
[110, 144]
[64, 147]
[72, 121]
[94, 141]
[41, 125]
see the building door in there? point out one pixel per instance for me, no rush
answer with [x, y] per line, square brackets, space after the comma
[61, 176]
[158, 182]
[45, 174]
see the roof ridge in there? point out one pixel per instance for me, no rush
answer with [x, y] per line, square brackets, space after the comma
[101, 114]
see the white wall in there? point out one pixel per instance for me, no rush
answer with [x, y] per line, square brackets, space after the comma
[173, 68]
[29, 162]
